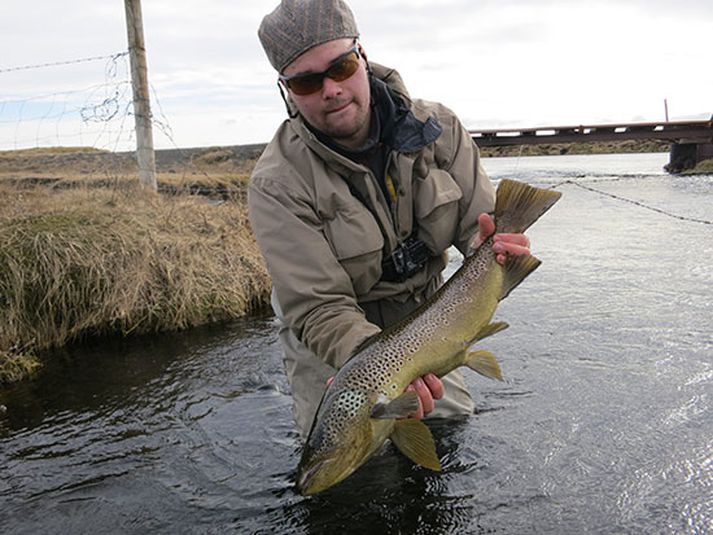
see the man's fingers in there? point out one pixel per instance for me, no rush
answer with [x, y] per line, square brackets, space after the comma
[486, 226]
[434, 384]
[518, 239]
[505, 245]
[509, 248]
[425, 394]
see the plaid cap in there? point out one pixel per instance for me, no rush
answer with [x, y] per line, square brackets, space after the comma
[295, 26]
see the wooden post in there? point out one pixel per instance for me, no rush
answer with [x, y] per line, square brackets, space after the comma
[140, 85]
[665, 107]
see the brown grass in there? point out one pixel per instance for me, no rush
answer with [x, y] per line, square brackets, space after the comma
[554, 149]
[706, 166]
[95, 261]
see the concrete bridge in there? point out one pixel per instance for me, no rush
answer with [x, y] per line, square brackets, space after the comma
[691, 141]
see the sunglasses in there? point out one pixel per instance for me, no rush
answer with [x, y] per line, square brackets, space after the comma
[339, 70]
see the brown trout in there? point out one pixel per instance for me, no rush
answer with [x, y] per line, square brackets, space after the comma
[366, 404]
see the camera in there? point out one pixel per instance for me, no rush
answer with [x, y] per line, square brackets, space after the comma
[405, 261]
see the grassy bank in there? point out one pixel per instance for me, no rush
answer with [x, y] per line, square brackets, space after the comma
[557, 149]
[704, 167]
[83, 253]
[87, 261]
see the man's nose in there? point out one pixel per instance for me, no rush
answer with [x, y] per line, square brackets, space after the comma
[330, 88]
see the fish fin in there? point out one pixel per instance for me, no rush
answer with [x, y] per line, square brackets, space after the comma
[413, 438]
[516, 269]
[484, 363]
[490, 330]
[519, 205]
[401, 407]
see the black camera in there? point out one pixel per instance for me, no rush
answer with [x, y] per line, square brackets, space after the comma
[405, 261]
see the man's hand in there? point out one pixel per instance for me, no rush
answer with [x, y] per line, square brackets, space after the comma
[429, 388]
[504, 245]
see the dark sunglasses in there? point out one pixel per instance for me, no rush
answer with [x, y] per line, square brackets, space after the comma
[339, 70]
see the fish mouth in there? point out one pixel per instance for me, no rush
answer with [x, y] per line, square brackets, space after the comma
[306, 478]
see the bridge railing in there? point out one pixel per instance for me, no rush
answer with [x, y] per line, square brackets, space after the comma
[674, 131]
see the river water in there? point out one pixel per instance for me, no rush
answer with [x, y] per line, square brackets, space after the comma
[603, 423]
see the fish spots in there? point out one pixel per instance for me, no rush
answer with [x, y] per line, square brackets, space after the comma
[343, 409]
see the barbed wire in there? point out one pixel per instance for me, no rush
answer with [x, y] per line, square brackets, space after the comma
[632, 201]
[67, 62]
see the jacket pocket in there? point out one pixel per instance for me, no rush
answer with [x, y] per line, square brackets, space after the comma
[436, 208]
[357, 243]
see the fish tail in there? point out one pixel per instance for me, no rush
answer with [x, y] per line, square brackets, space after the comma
[519, 205]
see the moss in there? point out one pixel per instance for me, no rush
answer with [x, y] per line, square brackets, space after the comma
[17, 367]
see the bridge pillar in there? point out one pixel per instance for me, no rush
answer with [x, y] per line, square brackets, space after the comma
[685, 156]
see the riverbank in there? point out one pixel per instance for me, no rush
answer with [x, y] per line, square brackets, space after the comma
[83, 252]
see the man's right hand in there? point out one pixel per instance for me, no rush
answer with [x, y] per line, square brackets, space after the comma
[429, 388]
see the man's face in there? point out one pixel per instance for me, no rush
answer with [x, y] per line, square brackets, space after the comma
[339, 109]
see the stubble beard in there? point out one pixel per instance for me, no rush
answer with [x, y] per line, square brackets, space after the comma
[354, 132]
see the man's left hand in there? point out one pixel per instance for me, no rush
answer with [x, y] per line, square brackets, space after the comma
[504, 245]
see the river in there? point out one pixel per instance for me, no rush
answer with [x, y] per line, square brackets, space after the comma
[603, 423]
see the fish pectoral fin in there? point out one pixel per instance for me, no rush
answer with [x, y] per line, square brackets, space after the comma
[401, 407]
[413, 438]
[484, 363]
[490, 330]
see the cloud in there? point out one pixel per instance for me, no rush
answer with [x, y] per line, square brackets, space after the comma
[493, 61]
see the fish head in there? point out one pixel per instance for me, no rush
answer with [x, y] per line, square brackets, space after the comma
[340, 441]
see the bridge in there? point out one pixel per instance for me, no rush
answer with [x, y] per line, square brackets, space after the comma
[691, 141]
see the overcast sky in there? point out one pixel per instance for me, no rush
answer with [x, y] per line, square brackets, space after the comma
[497, 63]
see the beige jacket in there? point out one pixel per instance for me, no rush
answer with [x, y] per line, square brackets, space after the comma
[324, 248]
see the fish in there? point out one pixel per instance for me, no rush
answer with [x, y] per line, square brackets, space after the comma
[367, 403]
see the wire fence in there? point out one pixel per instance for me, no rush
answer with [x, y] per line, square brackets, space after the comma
[91, 108]
[92, 111]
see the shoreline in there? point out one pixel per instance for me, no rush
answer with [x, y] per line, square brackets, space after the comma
[84, 253]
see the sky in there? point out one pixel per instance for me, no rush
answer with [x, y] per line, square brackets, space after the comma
[496, 63]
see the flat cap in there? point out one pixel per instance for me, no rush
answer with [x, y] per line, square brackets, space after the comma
[295, 26]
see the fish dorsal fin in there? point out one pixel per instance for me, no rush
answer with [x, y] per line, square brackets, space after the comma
[516, 269]
[415, 441]
[484, 363]
[401, 407]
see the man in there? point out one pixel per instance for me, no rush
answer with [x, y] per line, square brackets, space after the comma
[355, 201]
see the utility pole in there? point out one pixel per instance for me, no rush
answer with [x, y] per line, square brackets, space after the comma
[140, 85]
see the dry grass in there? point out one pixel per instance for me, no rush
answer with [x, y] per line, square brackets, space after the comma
[601, 147]
[94, 261]
[706, 166]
